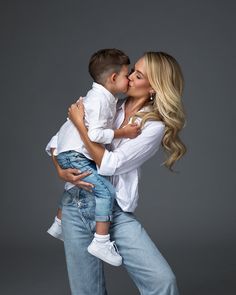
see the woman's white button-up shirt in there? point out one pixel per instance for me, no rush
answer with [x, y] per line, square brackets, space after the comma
[124, 160]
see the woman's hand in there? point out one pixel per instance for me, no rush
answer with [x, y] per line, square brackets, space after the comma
[75, 177]
[76, 113]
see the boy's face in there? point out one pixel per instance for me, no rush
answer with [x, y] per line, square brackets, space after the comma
[122, 81]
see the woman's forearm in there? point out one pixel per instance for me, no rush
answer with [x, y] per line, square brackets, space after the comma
[76, 114]
[95, 150]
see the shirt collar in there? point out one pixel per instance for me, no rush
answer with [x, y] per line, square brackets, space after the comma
[103, 90]
[146, 109]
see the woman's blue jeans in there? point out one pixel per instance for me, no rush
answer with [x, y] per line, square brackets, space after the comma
[142, 260]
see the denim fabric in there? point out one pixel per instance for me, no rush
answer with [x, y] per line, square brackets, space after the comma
[142, 260]
[103, 190]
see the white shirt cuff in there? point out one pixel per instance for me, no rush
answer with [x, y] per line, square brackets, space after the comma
[52, 145]
[104, 136]
[108, 164]
[109, 135]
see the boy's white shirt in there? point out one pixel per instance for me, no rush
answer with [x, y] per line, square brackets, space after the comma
[100, 110]
[124, 160]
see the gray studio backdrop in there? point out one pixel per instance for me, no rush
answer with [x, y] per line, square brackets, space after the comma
[45, 48]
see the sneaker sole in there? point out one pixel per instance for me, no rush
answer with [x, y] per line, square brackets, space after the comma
[97, 254]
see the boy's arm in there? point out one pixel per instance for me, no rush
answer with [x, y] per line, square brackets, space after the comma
[98, 113]
[128, 131]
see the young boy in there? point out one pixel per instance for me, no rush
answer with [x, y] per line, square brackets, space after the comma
[109, 70]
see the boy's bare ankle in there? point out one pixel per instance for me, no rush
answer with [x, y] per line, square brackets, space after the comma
[59, 213]
[102, 228]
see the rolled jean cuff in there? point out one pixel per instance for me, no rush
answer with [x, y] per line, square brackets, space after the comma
[103, 218]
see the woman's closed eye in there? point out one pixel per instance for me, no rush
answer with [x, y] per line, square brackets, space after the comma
[133, 71]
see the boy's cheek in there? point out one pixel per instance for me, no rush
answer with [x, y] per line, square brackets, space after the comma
[126, 90]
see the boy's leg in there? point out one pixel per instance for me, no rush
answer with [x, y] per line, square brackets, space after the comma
[59, 213]
[55, 229]
[143, 261]
[85, 271]
[102, 228]
[104, 192]
[101, 246]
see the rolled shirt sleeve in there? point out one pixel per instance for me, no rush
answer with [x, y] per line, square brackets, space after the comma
[100, 113]
[100, 135]
[132, 153]
[52, 145]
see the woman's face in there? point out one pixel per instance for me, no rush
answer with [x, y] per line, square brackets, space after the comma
[139, 85]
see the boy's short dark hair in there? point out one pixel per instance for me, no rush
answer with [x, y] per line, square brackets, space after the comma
[105, 62]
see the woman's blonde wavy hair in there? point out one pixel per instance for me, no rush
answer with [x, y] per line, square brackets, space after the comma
[166, 79]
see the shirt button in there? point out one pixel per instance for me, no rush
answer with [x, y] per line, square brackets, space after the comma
[79, 204]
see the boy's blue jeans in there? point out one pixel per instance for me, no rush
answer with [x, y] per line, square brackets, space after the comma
[103, 190]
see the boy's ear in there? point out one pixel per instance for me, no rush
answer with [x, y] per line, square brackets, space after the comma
[113, 77]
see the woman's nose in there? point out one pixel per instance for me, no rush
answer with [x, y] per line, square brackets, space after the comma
[130, 76]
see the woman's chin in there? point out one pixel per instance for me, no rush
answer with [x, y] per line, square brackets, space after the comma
[129, 92]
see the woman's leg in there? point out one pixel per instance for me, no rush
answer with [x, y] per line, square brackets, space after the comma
[143, 261]
[85, 271]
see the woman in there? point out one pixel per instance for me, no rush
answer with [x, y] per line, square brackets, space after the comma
[154, 101]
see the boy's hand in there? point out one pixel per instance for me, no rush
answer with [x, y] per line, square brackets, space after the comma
[131, 130]
[76, 111]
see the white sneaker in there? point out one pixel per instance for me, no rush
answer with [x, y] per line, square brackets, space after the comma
[107, 252]
[56, 230]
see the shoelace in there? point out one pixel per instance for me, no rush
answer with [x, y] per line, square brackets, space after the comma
[113, 248]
